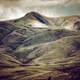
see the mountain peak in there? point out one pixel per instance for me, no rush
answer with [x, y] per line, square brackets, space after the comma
[38, 17]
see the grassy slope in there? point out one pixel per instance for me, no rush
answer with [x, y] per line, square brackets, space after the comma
[49, 59]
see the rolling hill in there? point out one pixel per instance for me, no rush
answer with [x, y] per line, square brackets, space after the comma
[36, 47]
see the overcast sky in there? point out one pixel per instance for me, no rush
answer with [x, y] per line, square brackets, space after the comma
[11, 9]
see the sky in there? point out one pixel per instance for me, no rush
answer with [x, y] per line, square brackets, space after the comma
[12, 9]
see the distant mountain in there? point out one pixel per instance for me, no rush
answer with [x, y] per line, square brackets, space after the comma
[36, 16]
[33, 19]
[36, 20]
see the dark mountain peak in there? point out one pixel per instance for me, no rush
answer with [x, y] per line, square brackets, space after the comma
[37, 16]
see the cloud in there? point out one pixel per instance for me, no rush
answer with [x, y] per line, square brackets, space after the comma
[12, 9]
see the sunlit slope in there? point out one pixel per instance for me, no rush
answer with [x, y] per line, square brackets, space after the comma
[58, 50]
[48, 53]
[47, 57]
